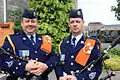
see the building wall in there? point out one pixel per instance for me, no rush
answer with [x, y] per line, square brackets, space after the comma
[11, 4]
[76, 4]
[94, 26]
[1, 11]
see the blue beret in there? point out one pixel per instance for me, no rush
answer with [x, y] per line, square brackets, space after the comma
[76, 14]
[31, 14]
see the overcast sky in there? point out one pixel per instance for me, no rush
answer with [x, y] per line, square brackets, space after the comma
[98, 11]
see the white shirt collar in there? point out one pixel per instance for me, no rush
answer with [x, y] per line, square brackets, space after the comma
[77, 38]
[34, 35]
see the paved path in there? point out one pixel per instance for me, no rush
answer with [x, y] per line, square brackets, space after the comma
[106, 45]
[116, 77]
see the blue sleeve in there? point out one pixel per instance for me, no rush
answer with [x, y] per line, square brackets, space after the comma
[90, 75]
[51, 62]
[58, 69]
[9, 64]
[12, 66]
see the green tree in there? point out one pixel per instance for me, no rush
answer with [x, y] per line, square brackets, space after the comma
[53, 17]
[116, 9]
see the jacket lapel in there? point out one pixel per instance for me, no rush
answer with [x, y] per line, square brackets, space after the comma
[38, 41]
[68, 45]
[80, 44]
[25, 39]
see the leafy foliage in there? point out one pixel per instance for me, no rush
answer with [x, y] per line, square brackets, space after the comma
[116, 9]
[114, 62]
[15, 16]
[53, 17]
[115, 51]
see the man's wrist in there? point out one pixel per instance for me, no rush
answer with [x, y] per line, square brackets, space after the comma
[27, 67]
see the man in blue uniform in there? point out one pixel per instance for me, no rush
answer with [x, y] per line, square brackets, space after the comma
[77, 51]
[28, 45]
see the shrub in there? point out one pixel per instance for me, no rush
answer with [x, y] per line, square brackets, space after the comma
[15, 16]
[114, 61]
[53, 18]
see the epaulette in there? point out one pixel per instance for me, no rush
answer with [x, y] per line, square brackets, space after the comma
[47, 43]
[98, 41]
[84, 54]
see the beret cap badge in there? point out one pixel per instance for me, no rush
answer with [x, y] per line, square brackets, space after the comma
[34, 13]
[78, 13]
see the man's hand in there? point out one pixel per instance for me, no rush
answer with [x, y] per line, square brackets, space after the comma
[35, 67]
[68, 77]
[31, 65]
[40, 68]
[62, 78]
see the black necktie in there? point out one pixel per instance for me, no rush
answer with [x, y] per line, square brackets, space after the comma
[74, 42]
[32, 39]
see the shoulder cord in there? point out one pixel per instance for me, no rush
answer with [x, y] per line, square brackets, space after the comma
[11, 43]
[59, 47]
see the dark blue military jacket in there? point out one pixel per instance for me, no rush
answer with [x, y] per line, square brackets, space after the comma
[23, 43]
[70, 67]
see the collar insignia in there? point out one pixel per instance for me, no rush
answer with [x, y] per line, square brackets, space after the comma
[10, 63]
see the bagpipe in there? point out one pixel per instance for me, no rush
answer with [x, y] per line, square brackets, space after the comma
[29, 75]
[102, 58]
